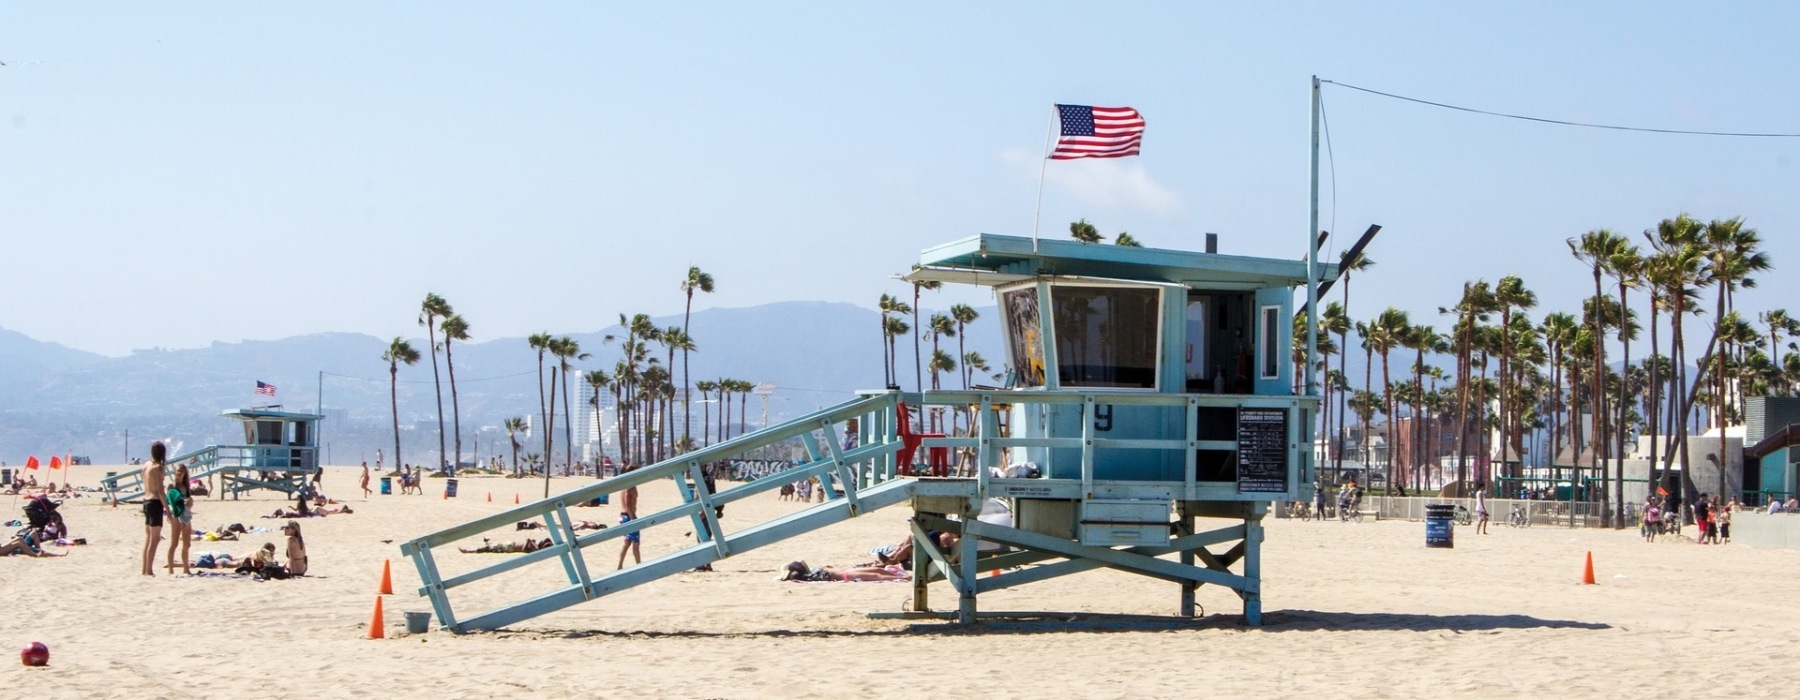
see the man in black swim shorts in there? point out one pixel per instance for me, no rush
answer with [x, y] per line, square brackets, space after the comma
[153, 507]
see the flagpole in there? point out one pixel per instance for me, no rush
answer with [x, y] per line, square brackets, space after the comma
[1308, 471]
[1038, 214]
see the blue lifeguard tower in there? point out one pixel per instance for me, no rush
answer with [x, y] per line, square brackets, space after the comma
[1150, 409]
[280, 453]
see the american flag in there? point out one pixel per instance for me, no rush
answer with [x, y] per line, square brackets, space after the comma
[265, 389]
[1098, 132]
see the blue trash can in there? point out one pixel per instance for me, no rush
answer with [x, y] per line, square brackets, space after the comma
[449, 488]
[387, 486]
[1440, 528]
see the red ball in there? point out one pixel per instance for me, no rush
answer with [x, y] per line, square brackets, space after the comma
[35, 654]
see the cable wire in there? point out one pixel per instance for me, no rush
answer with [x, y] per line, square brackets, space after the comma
[1561, 122]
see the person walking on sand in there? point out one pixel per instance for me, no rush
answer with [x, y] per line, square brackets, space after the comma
[365, 480]
[153, 505]
[628, 500]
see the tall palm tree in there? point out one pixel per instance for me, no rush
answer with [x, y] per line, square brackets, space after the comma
[1333, 320]
[541, 343]
[514, 426]
[567, 349]
[430, 310]
[675, 338]
[889, 305]
[1347, 265]
[1509, 294]
[1476, 303]
[1677, 272]
[1386, 333]
[454, 328]
[1626, 266]
[1779, 324]
[706, 387]
[965, 315]
[742, 388]
[1596, 248]
[896, 327]
[1731, 258]
[696, 281]
[973, 362]
[1085, 232]
[399, 352]
[918, 365]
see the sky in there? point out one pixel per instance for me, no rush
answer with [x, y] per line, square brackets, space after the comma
[177, 174]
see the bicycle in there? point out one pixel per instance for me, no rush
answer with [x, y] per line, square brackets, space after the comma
[1519, 517]
[1462, 515]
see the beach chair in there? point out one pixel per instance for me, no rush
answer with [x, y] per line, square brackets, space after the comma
[937, 458]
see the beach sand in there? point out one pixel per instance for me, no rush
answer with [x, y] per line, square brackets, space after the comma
[1351, 610]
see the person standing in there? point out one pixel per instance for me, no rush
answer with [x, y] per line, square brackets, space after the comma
[1481, 508]
[628, 512]
[1318, 500]
[153, 504]
[1702, 518]
[180, 502]
[365, 480]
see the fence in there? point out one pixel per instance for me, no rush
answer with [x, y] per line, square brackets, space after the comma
[1539, 513]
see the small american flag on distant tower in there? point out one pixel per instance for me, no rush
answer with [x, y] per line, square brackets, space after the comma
[265, 388]
[1097, 132]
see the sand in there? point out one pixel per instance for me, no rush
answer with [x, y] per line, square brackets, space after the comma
[1356, 610]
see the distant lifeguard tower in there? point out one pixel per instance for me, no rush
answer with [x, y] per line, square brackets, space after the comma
[1150, 410]
[280, 453]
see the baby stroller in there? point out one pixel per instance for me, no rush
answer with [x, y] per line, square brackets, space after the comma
[41, 516]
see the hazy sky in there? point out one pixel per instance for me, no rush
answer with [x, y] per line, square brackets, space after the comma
[177, 173]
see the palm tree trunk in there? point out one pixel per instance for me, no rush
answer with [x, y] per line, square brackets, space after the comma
[437, 389]
[394, 401]
[550, 432]
[568, 424]
[455, 406]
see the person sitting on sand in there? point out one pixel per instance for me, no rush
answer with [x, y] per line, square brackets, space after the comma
[27, 542]
[579, 525]
[799, 571]
[507, 547]
[296, 548]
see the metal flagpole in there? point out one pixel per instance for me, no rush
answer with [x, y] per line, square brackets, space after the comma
[1038, 214]
[1312, 251]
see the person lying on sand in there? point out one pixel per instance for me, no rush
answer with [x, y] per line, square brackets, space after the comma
[579, 525]
[799, 571]
[27, 542]
[507, 547]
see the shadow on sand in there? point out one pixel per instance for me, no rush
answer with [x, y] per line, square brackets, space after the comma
[1065, 623]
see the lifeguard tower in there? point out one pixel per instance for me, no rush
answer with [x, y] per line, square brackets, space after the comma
[280, 452]
[1150, 411]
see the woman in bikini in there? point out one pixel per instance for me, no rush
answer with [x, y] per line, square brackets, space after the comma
[799, 571]
[296, 549]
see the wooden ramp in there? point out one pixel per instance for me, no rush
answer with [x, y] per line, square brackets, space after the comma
[859, 477]
[240, 468]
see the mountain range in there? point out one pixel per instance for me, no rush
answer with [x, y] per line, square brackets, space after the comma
[58, 400]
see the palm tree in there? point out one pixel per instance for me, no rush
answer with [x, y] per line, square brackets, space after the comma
[1731, 257]
[965, 315]
[1677, 273]
[742, 388]
[1126, 240]
[514, 426]
[896, 327]
[399, 352]
[918, 371]
[1085, 232]
[454, 328]
[973, 362]
[706, 387]
[433, 308]
[1476, 303]
[676, 338]
[1779, 323]
[565, 349]
[1597, 248]
[1510, 293]
[1626, 266]
[700, 281]
[1386, 333]
[541, 343]
[889, 305]
[1347, 265]
[1333, 320]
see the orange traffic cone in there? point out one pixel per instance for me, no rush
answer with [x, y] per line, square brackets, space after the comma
[1587, 577]
[377, 630]
[387, 579]
[515, 499]
[490, 496]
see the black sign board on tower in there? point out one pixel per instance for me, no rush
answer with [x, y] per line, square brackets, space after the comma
[1262, 441]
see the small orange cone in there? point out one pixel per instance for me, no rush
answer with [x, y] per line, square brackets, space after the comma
[515, 499]
[994, 573]
[377, 630]
[1587, 577]
[387, 579]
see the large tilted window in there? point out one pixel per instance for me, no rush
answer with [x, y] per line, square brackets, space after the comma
[1106, 336]
[1024, 336]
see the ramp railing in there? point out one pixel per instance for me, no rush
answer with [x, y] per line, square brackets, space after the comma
[859, 475]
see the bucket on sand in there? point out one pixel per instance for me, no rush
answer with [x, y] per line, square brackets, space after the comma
[418, 622]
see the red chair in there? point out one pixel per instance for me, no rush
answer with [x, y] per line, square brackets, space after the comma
[937, 457]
